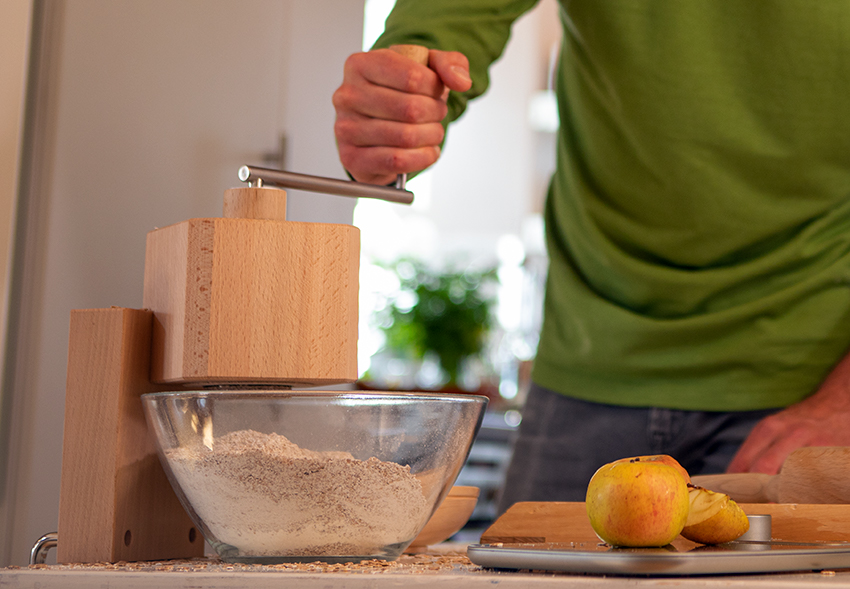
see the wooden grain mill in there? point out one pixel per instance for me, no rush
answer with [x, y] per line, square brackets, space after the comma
[249, 299]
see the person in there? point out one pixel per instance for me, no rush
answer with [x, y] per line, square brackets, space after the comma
[698, 222]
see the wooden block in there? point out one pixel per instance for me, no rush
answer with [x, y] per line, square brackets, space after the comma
[253, 301]
[538, 522]
[115, 500]
[255, 203]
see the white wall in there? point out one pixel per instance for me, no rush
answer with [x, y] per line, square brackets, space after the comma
[315, 71]
[146, 111]
[14, 49]
[14, 52]
[484, 183]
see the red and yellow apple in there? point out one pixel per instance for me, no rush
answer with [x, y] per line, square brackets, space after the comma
[663, 459]
[641, 501]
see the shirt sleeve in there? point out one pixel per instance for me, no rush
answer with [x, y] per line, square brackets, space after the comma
[479, 29]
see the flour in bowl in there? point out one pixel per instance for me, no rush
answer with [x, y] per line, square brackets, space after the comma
[269, 497]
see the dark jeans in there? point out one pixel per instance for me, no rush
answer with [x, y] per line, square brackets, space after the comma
[562, 441]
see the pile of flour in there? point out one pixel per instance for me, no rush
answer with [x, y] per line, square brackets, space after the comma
[268, 497]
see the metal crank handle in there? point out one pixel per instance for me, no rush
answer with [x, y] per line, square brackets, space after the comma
[256, 176]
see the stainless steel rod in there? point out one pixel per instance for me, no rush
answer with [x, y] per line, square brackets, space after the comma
[401, 181]
[282, 179]
[38, 554]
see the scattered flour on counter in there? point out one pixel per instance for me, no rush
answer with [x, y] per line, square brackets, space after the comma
[268, 497]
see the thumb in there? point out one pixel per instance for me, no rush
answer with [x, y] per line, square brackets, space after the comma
[453, 69]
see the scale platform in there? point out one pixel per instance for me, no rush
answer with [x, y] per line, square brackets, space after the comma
[731, 558]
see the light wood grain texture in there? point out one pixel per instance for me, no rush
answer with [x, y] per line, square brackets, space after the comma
[449, 517]
[255, 203]
[253, 301]
[417, 53]
[799, 522]
[559, 522]
[818, 474]
[115, 500]
[541, 521]
[743, 488]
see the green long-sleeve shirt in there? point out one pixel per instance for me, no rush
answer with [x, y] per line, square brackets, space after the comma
[698, 223]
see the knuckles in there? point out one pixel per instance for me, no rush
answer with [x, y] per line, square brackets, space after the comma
[413, 136]
[413, 81]
[412, 111]
[345, 130]
[407, 137]
[418, 109]
[355, 62]
[343, 97]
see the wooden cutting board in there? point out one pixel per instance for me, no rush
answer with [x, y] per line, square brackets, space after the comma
[565, 522]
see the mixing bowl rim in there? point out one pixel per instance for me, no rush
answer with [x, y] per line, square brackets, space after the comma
[319, 395]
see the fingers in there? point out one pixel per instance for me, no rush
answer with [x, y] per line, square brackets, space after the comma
[385, 84]
[770, 461]
[360, 131]
[774, 438]
[759, 439]
[452, 68]
[389, 112]
[379, 102]
[385, 67]
[768, 458]
[381, 165]
[376, 151]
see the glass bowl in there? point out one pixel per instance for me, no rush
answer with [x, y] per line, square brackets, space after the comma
[303, 476]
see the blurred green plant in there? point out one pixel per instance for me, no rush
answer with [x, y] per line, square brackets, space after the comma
[447, 313]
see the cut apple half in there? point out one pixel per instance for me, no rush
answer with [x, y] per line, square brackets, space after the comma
[713, 518]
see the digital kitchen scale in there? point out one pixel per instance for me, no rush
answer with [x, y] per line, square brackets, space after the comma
[725, 559]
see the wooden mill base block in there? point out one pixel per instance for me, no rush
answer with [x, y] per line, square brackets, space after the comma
[248, 299]
[115, 500]
[253, 301]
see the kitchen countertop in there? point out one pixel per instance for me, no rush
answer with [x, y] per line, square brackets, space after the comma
[442, 566]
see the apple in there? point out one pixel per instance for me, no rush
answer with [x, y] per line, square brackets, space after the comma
[713, 518]
[638, 502]
[662, 458]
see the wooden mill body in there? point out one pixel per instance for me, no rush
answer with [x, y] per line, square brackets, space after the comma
[249, 298]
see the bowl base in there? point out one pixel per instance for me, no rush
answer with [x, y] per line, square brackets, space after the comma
[229, 554]
[265, 560]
